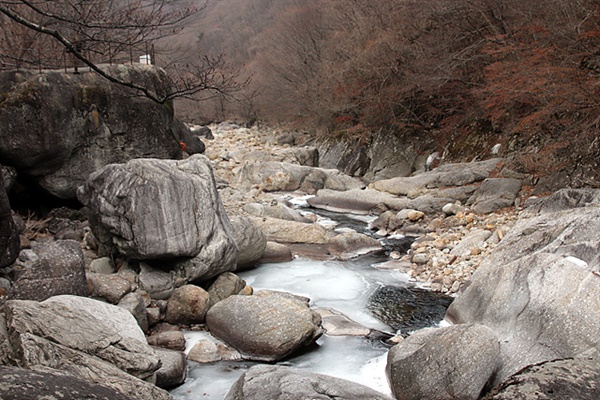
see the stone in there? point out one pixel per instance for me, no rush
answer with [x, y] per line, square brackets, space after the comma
[54, 334]
[278, 176]
[20, 384]
[173, 369]
[174, 340]
[337, 324]
[284, 383]
[541, 306]
[346, 246]
[212, 350]
[494, 194]
[153, 315]
[134, 303]
[266, 328]
[49, 269]
[276, 253]
[188, 305]
[250, 240]
[227, 284]
[92, 123]
[445, 175]
[455, 362]
[117, 318]
[350, 157]
[158, 283]
[102, 265]
[111, 288]
[564, 199]
[275, 211]
[475, 239]
[560, 379]
[356, 201]
[453, 209]
[151, 209]
[277, 230]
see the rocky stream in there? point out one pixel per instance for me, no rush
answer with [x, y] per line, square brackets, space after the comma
[198, 275]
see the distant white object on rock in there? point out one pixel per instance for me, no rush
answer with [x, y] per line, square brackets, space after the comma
[433, 157]
[496, 148]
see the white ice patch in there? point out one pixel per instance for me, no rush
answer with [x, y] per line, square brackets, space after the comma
[577, 261]
[301, 201]
[327, 284]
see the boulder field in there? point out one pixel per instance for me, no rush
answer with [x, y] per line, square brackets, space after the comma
[100, 295]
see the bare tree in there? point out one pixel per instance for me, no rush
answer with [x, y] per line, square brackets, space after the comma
[104, 31]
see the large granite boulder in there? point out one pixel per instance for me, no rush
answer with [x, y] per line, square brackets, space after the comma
[494, 194]
[21, 384]
[356, 201]
[539, 290]
[279, 176]
[445, 175]
[53, 335]
[283, 383]
[49, 269]
[91, 123]
[561, 379]
[542, 307]
[282, 231]
[454, 362]
[266, 328]
[152, 209]
[250, 240]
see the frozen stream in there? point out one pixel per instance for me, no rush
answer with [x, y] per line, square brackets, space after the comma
[344, 286]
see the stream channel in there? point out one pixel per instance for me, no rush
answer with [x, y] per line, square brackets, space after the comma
[385, 301]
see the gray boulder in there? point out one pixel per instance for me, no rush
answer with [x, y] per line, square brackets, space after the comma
[351, 158]
[542, 307]
[174, 340]
[53, 335]
[91, 123]
[266, 328]
[561, 379]
[227, 284]
[445, 175]
[275, 211]
[49, 269]
[187, 305]
[21, 384]
[173, 369]
[278, 176]
[111, 288]
[163, 209]
[494, 194]
[475, 239]
[276, 252]
[250, 240]
[356, 201]
[454, 362]
[282, 231]
[308, 156]
[158, 283]
[284, 383]
[135, 304]
[564, 199]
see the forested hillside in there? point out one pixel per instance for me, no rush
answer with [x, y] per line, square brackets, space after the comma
[461, 75]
